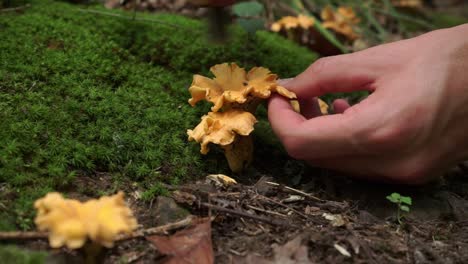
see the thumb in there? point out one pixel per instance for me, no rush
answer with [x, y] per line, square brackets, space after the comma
[321, 137]
[342, 73]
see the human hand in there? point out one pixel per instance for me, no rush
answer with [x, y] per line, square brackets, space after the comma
[412, 127]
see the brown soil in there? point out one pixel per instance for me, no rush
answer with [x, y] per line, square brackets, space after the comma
[252, 223]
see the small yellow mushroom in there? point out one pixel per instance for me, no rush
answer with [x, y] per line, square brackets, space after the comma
[72, 223]
[291, 22]
[342, 21]
[226, 129]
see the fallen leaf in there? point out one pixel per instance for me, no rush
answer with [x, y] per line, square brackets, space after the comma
[220, 180]
[184, 197]
[192, 245]
[168, 211]
[336, 220]
[293, 252]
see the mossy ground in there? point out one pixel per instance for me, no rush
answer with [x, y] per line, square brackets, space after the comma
[12, 254]
[82, 93]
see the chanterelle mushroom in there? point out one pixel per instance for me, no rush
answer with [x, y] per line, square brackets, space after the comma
[341, 21]
[71, 222]
[224, 129]
[289, 22]
[235, 94]
[233, 85]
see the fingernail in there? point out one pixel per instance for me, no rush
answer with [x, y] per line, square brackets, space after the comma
[284, 82]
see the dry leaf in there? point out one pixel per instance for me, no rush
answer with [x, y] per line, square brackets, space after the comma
[293, 252]
[221, 180]
[336, 220]
[191, 245]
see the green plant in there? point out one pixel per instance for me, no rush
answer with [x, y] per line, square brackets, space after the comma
[249, 15]
[403, 204]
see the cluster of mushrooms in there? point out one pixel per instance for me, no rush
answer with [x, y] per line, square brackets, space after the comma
[342, 21]
[235, 94]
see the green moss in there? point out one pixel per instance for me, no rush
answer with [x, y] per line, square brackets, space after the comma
[82, 92]
[11, 254]
[443, 20]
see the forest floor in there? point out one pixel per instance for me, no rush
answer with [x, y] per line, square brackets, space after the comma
[280, 211]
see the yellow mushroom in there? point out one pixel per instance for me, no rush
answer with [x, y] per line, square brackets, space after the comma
[232, 85]
[71, 223]
[235, 94]
[290, 22]
[342, 21]
[227, 129]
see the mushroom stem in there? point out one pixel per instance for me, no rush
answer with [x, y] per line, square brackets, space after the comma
[93, 253]
[239, 154]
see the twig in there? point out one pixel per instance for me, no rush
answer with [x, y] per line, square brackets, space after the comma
[295, 191]
[283, 205]
[160, 230]
[18, 235]
[242, 214]
[265, 211]
[18, 8]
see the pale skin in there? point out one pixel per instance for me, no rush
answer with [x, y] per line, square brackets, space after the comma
[410, 129]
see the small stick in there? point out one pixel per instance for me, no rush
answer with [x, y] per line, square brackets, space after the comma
[283, 205]
[296, 191]
[242, 214]
[159, 230]
[18, 8]
[18, 235]
[266, 211]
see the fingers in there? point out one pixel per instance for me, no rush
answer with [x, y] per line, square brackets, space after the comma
[310, 107]
[282, 116]
[340, 105]
[343, 73]
[320, 137]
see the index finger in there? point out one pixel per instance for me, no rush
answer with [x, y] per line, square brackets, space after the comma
[320, 137]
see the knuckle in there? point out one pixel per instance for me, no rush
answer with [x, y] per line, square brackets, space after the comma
[321, 65]
[386, 138]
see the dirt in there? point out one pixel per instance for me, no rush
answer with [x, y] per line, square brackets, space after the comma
[327, 218]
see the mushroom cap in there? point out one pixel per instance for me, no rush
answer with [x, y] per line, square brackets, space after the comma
[71, 222]
[232, 84]
[289, 22]
[221, 128]
[341, 21]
